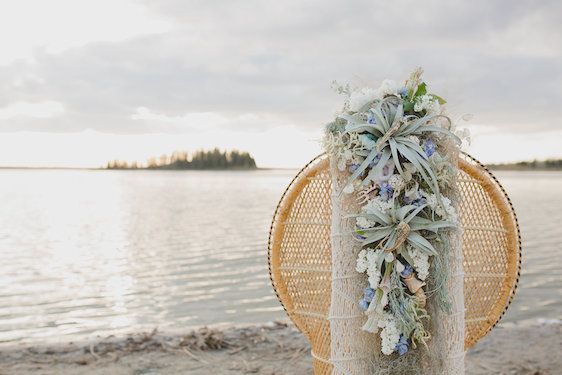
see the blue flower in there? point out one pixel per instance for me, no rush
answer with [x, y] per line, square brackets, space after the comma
[359, 237]
[402, 345]
[375, 160]
[368, 294]
[420, 202]
[429, 147]
[416, 202]
[403, 92]
[407, 271]
[385, 191]
[363, 305]
[353, 167]
[371, 119]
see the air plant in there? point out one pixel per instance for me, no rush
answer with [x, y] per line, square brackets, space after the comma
[399, 226]
[393, 130]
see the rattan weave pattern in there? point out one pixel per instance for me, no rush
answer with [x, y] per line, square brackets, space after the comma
[300, 252]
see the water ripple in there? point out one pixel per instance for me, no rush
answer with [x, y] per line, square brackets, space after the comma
[97, 253]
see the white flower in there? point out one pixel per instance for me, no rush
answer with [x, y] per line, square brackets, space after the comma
[368, 261]
[377, 204]
[421, 262]
[362, 262]
[390, 335]
[397, 183]
[428, 103]
[360, 97]
[373, 270]
[387, 87]
[445, 211]
[363, 222]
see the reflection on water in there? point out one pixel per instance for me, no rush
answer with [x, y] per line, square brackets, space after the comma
[102, 252]
[538, 203]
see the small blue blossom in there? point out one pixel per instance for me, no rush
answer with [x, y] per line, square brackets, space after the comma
[368, 294]
[416, 202]
[353, 167]
[359, 237]
[403, 92]
[407, 271]
[363, 305]
[420, 202]
[402, 345]
[375, 160]
[385, 191]
[429, 147]
[371, 119]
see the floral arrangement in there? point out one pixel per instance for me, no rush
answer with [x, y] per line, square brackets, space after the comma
[394, 144]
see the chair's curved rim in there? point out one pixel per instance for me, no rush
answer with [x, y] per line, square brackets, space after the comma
[274, 234]
[514, 224]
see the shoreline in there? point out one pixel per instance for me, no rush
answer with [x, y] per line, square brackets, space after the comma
[146, 169]
[501, 168]
[272, 348]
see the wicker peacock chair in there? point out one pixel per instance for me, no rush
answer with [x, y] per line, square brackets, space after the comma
[300, 252]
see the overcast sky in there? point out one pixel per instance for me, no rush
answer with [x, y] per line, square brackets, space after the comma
[82, 82]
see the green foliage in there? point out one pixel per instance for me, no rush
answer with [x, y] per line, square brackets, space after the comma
[408, 313]
[439, 275]
[438, 98]
[408, 106]
[422, 90]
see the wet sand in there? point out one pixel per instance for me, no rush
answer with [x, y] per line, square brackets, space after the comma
[275, 348]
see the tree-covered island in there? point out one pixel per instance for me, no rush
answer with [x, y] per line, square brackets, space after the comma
[198, 160]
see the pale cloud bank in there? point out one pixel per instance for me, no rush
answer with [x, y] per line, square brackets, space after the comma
[200, 69]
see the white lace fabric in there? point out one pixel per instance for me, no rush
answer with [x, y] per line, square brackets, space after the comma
[356, 352]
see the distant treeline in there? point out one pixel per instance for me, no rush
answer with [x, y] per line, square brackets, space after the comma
[199, 160]
[550, 164]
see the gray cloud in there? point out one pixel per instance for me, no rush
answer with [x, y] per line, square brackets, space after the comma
[500, 60]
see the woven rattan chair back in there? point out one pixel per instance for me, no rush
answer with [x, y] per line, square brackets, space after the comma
[300, 252]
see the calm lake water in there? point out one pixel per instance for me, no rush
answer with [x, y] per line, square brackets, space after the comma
[87, 253]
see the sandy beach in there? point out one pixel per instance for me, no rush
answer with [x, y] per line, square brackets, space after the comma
[274, 348]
